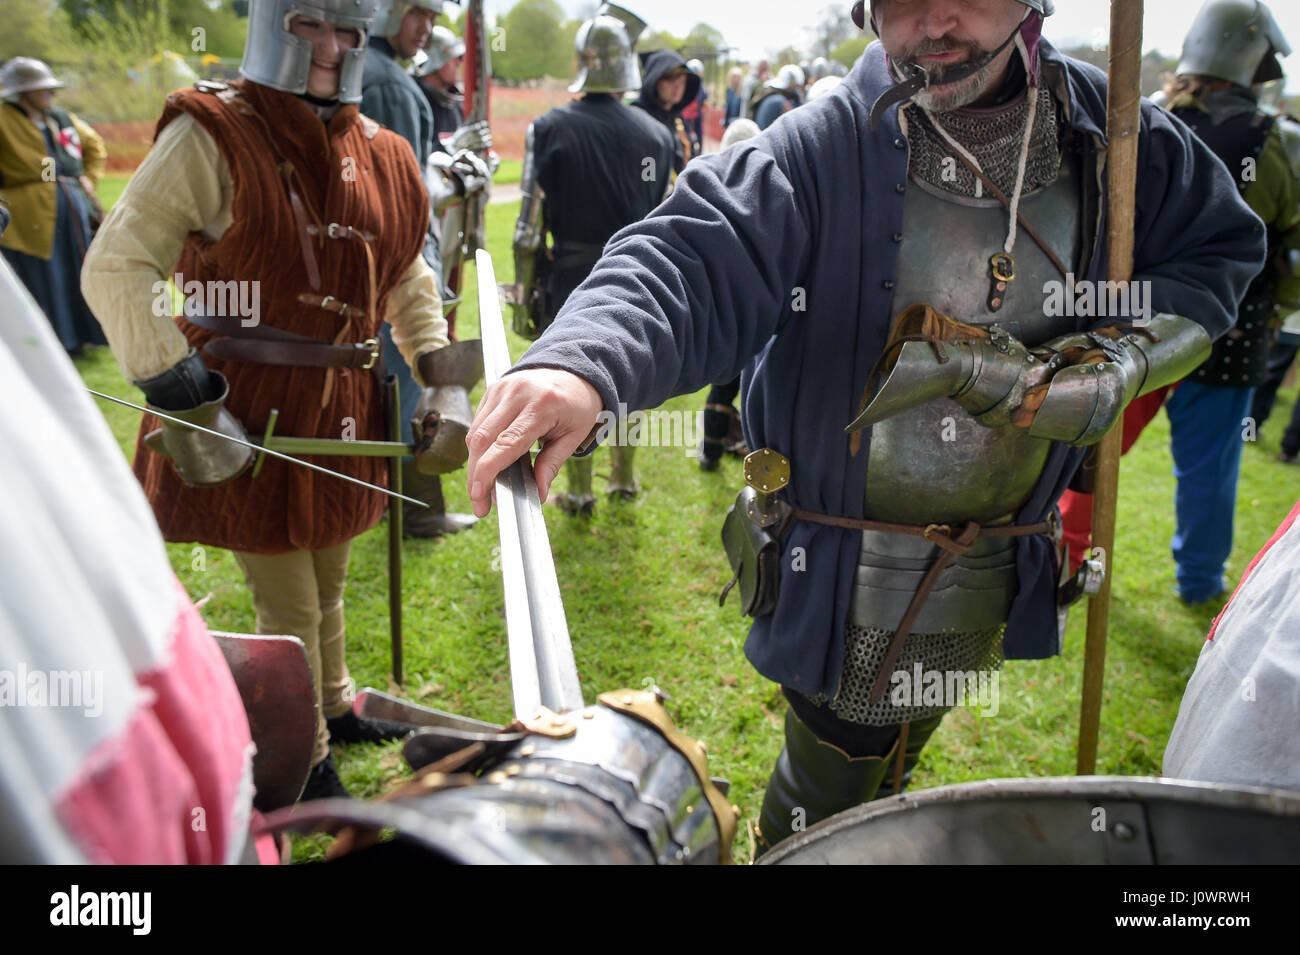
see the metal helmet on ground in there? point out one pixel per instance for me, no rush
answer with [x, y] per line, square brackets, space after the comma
[389, 16]
[1045, 7]
[1234, 40]
[24, 74]
[606, 43]
[443, 47]
[276, 58]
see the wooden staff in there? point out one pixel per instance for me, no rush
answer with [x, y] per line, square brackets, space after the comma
[1122, 123]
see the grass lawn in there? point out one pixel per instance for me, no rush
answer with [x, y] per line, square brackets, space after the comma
[640, 583]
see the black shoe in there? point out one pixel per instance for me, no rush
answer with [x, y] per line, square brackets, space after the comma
[324, 783]
[350, 728]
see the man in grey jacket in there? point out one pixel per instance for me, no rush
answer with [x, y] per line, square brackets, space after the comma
[857, 235]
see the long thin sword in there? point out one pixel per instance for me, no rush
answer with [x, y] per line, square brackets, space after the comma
[260, 449]
[542, 669]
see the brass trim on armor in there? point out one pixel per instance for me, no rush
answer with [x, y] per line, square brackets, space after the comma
[547, 722]
[646, 706]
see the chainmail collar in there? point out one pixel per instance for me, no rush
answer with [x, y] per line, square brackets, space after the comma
[994, 137]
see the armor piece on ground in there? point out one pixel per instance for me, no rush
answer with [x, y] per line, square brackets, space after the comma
[443, 47]
[274, 682]
[276, 58]
[623, 787]
[994, 138]
[622, 482]
[390, 13]
[25, 74]
[606, 43]
[579, 499]
[443, 415]
[203, 460]
[1037, 821]
[813, 780]
[1234, 40]
[1071, 389]
[530, 312]
[969, 654]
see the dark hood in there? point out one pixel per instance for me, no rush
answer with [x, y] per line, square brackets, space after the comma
[654, 64]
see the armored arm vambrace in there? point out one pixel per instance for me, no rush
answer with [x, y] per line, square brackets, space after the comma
[529, 230]
[1071, 389]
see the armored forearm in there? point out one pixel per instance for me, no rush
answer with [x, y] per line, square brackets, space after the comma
[1070, 389]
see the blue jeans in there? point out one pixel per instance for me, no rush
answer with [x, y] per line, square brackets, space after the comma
[1206, 437]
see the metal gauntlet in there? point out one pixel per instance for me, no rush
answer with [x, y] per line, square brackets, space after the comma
[1071, 389]
[1085, 399]
[443, 415]
[190, 393]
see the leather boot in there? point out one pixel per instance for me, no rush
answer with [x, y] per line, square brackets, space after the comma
[813, 781]
[433, 521]
[579, 499]
[918, 734]
[717, 426]
[324, 783]
[621, 480]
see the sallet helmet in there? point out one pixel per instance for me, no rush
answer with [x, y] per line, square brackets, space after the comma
[443, 47]
[276, 58]
[1234, 40]
[605, 45]
[388, 18]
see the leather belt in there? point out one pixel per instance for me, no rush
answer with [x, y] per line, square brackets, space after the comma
[951, 542]
[264, 345]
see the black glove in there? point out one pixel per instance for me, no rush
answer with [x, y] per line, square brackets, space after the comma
[181, 387]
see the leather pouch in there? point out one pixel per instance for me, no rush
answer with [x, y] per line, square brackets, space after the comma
[754, 553]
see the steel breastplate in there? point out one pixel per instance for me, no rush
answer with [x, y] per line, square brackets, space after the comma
[935, 463]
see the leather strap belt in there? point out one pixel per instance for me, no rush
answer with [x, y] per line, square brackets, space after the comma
[264, 345]
[950, 546]
[571, 255]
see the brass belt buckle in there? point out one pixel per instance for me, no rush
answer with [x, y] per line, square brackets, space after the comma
[373, 345]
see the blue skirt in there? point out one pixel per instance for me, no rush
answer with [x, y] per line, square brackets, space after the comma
[56, 283]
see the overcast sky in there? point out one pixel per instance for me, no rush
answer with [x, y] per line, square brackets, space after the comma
[759, 26]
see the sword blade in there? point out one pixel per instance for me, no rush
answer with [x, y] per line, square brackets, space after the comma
[542, 668]
[261, 450]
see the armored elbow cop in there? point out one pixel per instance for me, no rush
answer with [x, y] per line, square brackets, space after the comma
[1070, 389]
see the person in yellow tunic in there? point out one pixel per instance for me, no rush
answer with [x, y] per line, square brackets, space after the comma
[50, 164]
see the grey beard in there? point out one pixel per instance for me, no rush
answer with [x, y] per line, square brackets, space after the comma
[942, 98]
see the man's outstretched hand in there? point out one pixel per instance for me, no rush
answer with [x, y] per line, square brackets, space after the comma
[556, 407]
